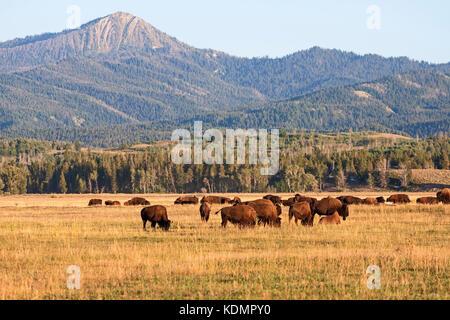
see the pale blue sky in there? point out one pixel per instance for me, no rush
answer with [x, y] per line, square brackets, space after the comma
[418, 29]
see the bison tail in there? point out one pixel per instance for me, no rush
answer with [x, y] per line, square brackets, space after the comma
[218, 211]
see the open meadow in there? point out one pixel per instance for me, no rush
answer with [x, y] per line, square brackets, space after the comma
[41, 235]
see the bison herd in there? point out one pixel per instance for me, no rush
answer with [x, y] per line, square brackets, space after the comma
[267, 211]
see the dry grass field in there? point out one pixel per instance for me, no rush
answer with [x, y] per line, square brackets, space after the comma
[40, 236]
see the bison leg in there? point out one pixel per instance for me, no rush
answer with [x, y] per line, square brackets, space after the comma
[144, 223]
[207, 217]
[153, 224]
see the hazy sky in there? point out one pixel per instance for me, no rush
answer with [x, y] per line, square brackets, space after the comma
[418, 29]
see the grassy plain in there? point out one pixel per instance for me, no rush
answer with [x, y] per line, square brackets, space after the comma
[40, 236]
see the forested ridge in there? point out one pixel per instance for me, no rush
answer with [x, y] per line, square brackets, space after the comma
[308, 162]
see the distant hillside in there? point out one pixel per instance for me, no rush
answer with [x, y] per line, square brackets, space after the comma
[417, 103]
[119, 74]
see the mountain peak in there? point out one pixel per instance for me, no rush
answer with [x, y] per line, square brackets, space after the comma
[116, 33]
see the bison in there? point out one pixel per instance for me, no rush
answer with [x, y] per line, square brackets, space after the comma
[329, 206]
[241, 215]
[95, 202]
[350, 200]
[112, 203]
[444, 196]
[427, 200]
[266, 212]
[156, 215]
[205, 210]
[187, 200]
[137, 202]
[333, 219]
[216, 200]
[399, 198]
[301, 211]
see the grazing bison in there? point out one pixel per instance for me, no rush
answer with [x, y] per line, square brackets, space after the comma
[381, 200]
[95, 202]
[427, 200]
[350, 200]
[241, 215]
[444, 196]
[370, 201]
[112, 203]
[187, 200]
[329, 206]
[205, 210]
[156, 215]
[137, 202]
[399, 198]
[274, 199]
[265, 211]
[216, 200]
[333, 219]
[301, 211]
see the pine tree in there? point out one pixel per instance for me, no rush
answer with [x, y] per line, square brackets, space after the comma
[62, 186]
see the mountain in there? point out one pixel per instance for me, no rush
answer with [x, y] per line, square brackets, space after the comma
[113, 35]
[121, 72]
[417, 103]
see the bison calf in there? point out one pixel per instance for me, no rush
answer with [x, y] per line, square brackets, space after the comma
[301, 211]
[333, 219]
[156, 215]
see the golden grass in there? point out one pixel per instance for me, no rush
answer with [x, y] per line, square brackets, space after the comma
[40, 236]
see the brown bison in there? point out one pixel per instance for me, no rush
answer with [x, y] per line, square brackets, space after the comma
[241, 215]
[156, 215]
[274, 199]
[95, 202]
[370, 201]
[187, 200]
[350, 200]
[301, 211]
[137, 202]
[329, 206]
[205, 210]
[399, 198]
[333, 219]
[381, 200]
[112, 203]
[444, 196]
[427, 200]
[266, 212]
[216, 200]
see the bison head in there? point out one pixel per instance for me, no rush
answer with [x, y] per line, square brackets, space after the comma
[343, 212]
[165, 225]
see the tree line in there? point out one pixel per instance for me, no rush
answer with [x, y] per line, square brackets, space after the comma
[310, 163]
